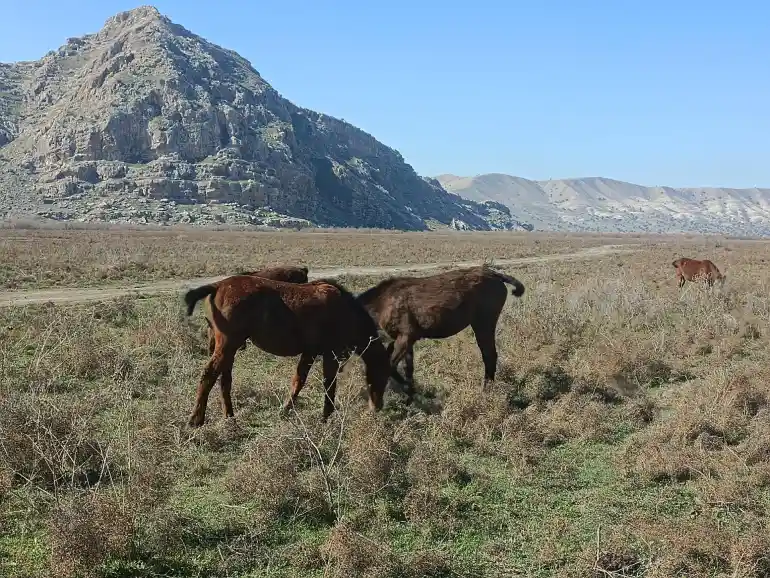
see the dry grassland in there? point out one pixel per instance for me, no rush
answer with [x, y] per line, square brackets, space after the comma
[628, 433]
[64, 258]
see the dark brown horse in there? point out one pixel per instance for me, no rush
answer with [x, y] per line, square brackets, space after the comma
[288, 319]
[412, 308]
[694, 270]
[287, 273]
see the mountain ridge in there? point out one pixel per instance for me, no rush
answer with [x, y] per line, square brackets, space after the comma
[603, 204]
[146, 122]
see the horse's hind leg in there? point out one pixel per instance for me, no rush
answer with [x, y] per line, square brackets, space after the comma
[212, 343]
[225, 385]
[409, 372]
[331, 368]
[394, 367]
[484, 331]
[300, 377]
[398, 351]
[221, 361]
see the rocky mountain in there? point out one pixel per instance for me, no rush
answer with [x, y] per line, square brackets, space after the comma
[145, 122]
[599, 204]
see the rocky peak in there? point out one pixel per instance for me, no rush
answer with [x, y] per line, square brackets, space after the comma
[145, 112]
[134, 16]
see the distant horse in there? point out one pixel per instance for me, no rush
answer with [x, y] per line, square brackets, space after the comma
[287, 273]
[694, 270]
[412, 308]
[288, 319]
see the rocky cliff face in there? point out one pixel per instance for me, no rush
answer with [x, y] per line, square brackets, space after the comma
[146, 122]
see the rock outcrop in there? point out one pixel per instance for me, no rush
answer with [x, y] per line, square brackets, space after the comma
[146, 122]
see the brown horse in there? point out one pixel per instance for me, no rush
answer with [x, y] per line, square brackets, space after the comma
[693, 270]
[288, 319]
[287, 273]
[412, 308]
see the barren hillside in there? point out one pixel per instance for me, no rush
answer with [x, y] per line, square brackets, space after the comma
[145, 122]
[600, 204]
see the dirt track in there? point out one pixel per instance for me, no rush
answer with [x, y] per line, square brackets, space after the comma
[78, 294]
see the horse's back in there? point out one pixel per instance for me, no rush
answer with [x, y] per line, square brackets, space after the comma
[435, 306]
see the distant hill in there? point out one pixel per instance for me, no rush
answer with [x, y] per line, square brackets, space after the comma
[145, 122]
[599, 204]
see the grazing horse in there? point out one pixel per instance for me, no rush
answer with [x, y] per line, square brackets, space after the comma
[693, 269]
[288, 273]
[288, 319]
[412, 308]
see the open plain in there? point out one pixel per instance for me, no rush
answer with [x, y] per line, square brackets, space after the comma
[627, 434]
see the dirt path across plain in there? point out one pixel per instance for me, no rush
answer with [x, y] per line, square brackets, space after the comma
[80, 294]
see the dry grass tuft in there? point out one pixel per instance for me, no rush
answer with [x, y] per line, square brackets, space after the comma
[85, 531]
[703, 548]
[50, 444]
[370, 456]
[716, 432]
[269, 471]
[349, 553]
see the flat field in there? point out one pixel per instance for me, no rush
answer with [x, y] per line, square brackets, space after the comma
[628, 432]
[45, 258]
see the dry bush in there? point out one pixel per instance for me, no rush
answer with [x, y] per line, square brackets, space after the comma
[85, 531]
[51, 443]
[349, 553]
[369, 456]
[428, 564]
[433, 474]
[269, 470]
[432, 464]
[703, 547]
[475, 416]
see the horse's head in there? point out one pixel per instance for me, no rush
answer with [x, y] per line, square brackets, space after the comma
[377, 363]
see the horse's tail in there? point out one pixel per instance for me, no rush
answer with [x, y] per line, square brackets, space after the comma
[194, 295]
[518, 286]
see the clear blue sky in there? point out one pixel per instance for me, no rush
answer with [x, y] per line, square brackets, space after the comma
[652, 92]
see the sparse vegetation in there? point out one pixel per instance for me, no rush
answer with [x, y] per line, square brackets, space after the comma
[38, 258]
[626, 435]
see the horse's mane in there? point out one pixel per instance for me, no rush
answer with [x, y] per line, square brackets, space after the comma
[373, 292]
[367, 322]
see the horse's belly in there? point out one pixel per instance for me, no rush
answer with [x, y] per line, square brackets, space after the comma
[444, 322]
[277, 346]
[436, 334]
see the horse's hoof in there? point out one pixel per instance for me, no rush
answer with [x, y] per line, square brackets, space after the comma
[194, 422]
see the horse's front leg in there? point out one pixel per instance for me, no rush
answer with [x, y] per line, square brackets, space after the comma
[331, 369]
[300, 377]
